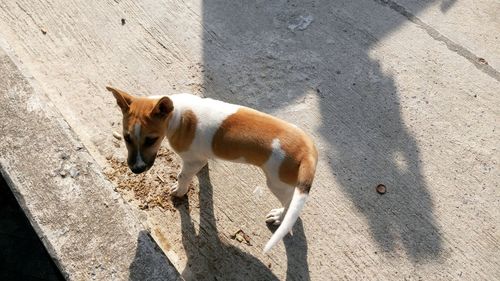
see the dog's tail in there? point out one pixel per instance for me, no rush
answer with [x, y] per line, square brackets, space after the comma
[305, 177]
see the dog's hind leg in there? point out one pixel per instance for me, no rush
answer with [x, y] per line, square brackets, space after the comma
[284, 193]
[189, 169]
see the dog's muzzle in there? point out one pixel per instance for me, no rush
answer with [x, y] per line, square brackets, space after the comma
[137, 169]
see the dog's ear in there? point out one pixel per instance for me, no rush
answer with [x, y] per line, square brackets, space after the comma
[122, 98]
[162, 108]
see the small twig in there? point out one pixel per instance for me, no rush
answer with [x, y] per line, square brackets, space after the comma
[161, 179]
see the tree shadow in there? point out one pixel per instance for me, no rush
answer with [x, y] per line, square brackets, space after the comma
[296, 252]
[209, 258]
[274, 54]
[446, 5]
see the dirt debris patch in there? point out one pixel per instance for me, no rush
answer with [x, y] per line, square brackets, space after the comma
[152, 188]
[241, 237]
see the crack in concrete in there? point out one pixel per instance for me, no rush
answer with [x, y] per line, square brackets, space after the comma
[27, 13]
[478, 62]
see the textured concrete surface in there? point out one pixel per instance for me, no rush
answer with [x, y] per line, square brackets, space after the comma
[403, 93]
[87, 229]
[22, 255]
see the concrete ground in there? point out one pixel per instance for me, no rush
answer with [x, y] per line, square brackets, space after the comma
[22, 255]
[403, 93]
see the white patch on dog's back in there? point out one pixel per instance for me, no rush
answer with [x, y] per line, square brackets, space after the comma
[209, 113]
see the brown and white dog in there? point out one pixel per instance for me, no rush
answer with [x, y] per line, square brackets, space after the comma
[201, 128]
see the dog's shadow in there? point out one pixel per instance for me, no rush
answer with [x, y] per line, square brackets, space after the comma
[210, 258]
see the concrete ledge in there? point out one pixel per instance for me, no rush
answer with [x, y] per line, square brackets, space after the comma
[86, 227]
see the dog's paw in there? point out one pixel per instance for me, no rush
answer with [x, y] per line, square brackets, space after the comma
[275, 216]
[178, 192]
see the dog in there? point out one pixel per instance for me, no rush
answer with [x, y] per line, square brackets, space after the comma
[201, 128]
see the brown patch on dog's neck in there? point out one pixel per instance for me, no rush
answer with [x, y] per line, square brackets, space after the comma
[182, 137]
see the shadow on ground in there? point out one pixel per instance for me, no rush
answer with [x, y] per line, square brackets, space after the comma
[272, 55]
[212, 258]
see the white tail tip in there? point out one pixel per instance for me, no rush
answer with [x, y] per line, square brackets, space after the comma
[291, 216]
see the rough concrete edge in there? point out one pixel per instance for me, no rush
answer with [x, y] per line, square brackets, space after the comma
[20, 200]
[8, 179]
[72, 137]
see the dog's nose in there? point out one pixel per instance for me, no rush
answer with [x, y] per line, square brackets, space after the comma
[137, 169]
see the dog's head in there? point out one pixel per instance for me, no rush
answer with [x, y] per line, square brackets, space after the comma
[145, 123]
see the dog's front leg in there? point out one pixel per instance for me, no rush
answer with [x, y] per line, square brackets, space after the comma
[189, 169]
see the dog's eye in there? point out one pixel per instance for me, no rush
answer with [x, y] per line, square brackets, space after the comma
[127, 138]
[150, 141]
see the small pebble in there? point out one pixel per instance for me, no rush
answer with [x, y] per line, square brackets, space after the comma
[117, 135]
[381, 189]
[483, 61]
[63, 173]
[123, 21]
[73, 172]
[43, 30]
